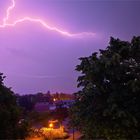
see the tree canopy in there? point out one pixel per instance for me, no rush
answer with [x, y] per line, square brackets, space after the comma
[9, 114]
[108, 104]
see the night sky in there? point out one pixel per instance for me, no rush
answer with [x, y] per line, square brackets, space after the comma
[36, 59]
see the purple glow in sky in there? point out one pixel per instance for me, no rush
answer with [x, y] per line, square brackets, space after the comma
[36, 59]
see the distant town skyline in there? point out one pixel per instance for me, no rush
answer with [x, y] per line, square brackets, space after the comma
[37, 60]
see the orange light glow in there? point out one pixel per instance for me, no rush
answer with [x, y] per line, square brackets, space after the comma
[51, 125]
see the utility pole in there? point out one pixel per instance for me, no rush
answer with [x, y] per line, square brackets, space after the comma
[73, 132]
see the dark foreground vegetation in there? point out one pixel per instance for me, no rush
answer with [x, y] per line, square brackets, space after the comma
[108, 104]
[10, 115]
[107, 107]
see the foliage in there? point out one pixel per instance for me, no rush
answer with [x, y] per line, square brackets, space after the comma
[108, 104]
[9, 114]
[39, 118]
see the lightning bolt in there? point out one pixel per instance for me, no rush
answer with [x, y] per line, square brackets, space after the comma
[6, 23]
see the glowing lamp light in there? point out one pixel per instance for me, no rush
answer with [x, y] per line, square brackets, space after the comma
[51, 125]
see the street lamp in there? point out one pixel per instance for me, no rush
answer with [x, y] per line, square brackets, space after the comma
[73, 132]
[51, 127]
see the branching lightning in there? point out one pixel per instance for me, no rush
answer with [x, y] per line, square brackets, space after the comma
[6, 23]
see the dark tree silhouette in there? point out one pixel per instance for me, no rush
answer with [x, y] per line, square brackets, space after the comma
[108, 105]
[9, 114]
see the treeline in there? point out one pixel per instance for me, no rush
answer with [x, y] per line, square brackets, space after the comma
[27, 102]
